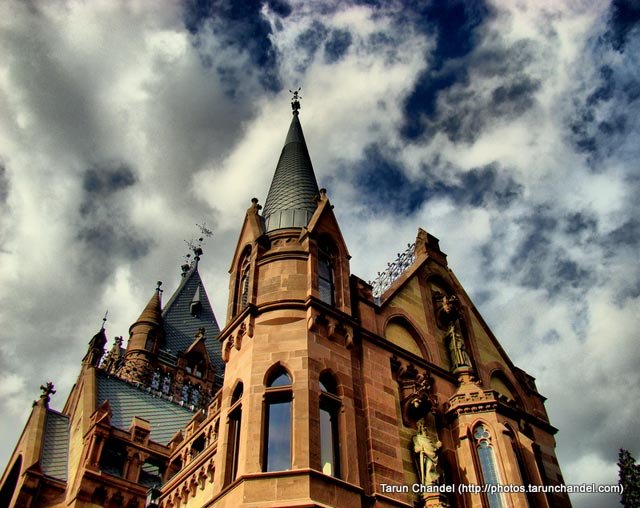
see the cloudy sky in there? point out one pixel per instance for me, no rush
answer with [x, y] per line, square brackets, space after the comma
[508, 129]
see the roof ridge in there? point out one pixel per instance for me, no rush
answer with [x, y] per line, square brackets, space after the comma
[182, 284]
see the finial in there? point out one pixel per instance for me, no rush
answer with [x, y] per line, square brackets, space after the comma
[158, 284]
[295, 100]
[104, 319]
[47, 391]
[255, 207]
[195, 246]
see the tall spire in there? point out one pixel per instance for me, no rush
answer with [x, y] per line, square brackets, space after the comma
[290, 202]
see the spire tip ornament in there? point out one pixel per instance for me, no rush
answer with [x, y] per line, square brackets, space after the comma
[295, 100]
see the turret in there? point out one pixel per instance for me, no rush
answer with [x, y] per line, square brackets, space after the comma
[144, 339]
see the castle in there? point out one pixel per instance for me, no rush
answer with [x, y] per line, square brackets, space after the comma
[321, 389]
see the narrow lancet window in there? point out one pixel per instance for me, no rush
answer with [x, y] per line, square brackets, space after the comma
[488, 464]
[326, 287]
[329, 442]
[233, 447]
[277, 446]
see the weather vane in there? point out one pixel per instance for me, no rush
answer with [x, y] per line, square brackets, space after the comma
[295, 100]
[195, 246]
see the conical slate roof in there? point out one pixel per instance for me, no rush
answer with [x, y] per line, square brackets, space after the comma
[290, 202]
[152, 312]
[181, 325]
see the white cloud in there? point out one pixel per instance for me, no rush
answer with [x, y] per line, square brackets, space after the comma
[112, 85]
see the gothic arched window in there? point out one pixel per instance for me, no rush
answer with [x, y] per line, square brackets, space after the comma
[329, 434]
[326, 287]
[233, 442]
[277, 430]
[242, 288]
[488, 463]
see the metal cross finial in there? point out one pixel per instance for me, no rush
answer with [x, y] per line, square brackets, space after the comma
[295, 100]
[47, 390]
[104, 319]
[158, 284]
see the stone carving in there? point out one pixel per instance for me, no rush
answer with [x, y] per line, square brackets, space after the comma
[448, 317]
[457, 349]
[227, 345]
[415, 388]
[425, 452]
[113, 359]
[421, 240]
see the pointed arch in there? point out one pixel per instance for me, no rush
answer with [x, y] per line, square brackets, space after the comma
[11, 482]
[243, 282]
[234, 424]
[276, 373]
[399, 330]
[278, 415]
[482, 437]
[326, 268]
[501, 383]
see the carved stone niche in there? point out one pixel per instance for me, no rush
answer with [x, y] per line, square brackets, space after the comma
[415, 387]
[447, 309]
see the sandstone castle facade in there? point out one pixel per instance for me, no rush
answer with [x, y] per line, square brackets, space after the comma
[320, 390]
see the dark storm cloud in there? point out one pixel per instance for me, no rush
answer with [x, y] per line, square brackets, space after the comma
[240, 25]
[383, 178]
[451, 96]
[454, 25]
[337, 45]
[105, 230]
[540, 262]
[624, 17]
[591, 131]
[603, 117]
[309, 41]
[514, 98]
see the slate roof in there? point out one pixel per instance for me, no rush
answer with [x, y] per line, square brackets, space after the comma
[180, 327]
[127, 401]
[290, 202]
[55, 449]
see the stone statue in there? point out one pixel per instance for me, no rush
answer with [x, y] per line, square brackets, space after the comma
[426, 456]
[457, 349]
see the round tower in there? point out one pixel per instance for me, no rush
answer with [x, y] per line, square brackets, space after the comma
[144, 340]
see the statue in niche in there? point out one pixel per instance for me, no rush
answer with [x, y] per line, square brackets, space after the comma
[448, 317]
[457, 349]
[425, 452]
